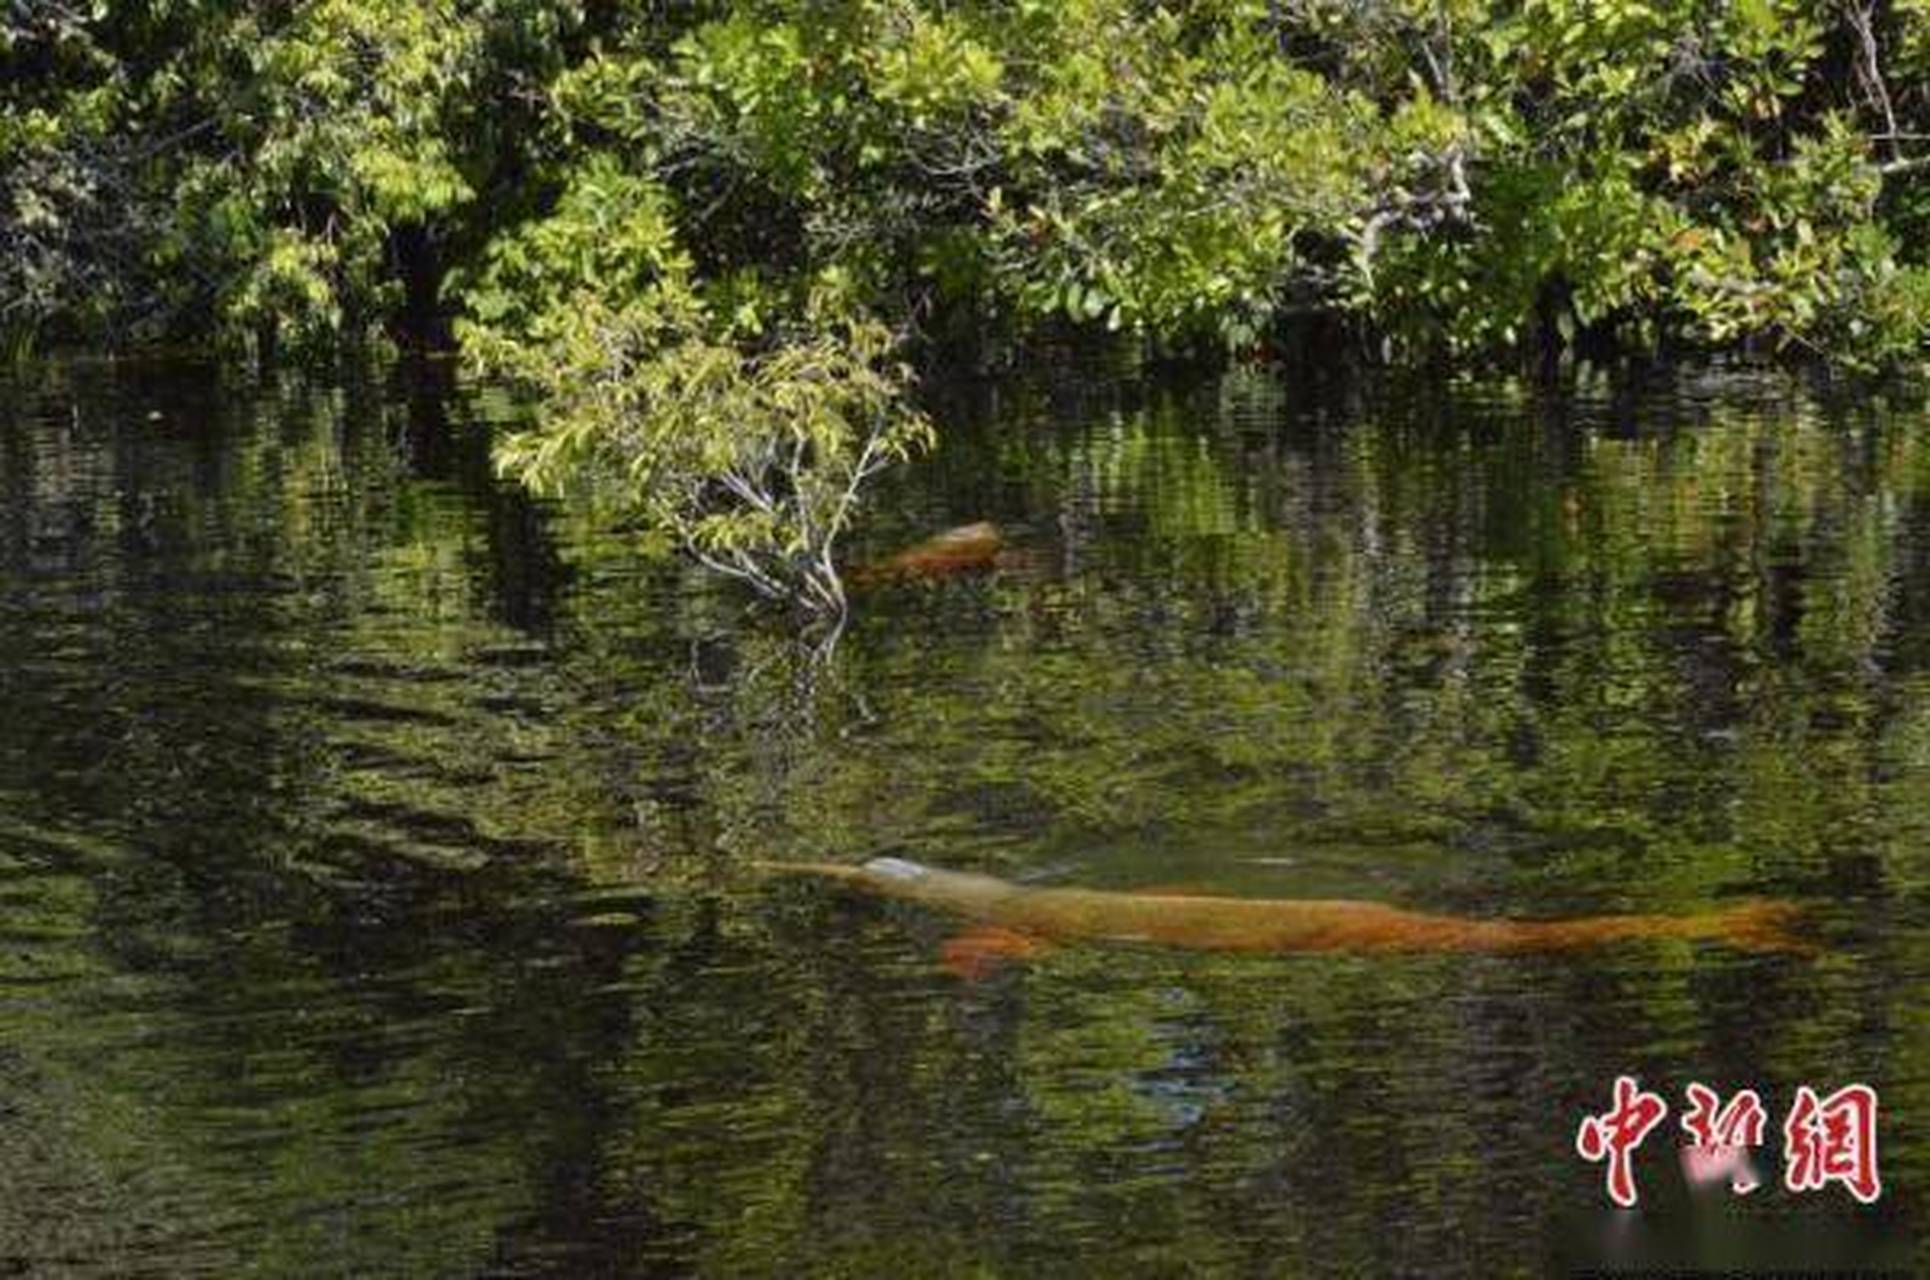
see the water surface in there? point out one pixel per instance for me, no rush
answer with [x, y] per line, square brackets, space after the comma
[371, 842]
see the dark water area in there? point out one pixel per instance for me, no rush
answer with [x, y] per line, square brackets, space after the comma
[373, 844]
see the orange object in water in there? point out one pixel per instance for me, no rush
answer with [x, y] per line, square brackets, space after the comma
[1280, 925]
[982, 949]
[965, 549]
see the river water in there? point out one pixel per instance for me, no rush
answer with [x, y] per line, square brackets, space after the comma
[373, 895]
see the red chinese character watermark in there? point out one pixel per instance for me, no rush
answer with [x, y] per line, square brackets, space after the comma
[1832, 1140]
[1825, 1140]
[1723, 1136]
[1616, 1133]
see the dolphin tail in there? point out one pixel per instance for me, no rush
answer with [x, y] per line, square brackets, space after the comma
[1763, 924]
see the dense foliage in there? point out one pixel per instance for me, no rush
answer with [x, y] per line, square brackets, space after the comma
[602, 196]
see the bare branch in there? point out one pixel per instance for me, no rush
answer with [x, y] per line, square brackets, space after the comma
[1869, 71]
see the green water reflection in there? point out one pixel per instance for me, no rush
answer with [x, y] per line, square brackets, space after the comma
[370, 843]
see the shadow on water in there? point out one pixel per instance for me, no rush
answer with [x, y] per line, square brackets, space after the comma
[369, 838]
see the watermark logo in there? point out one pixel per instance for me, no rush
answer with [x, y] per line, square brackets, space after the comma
[1724, 1136]
[1833, 1140]
[1615, 1134]
[1825, 1139]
